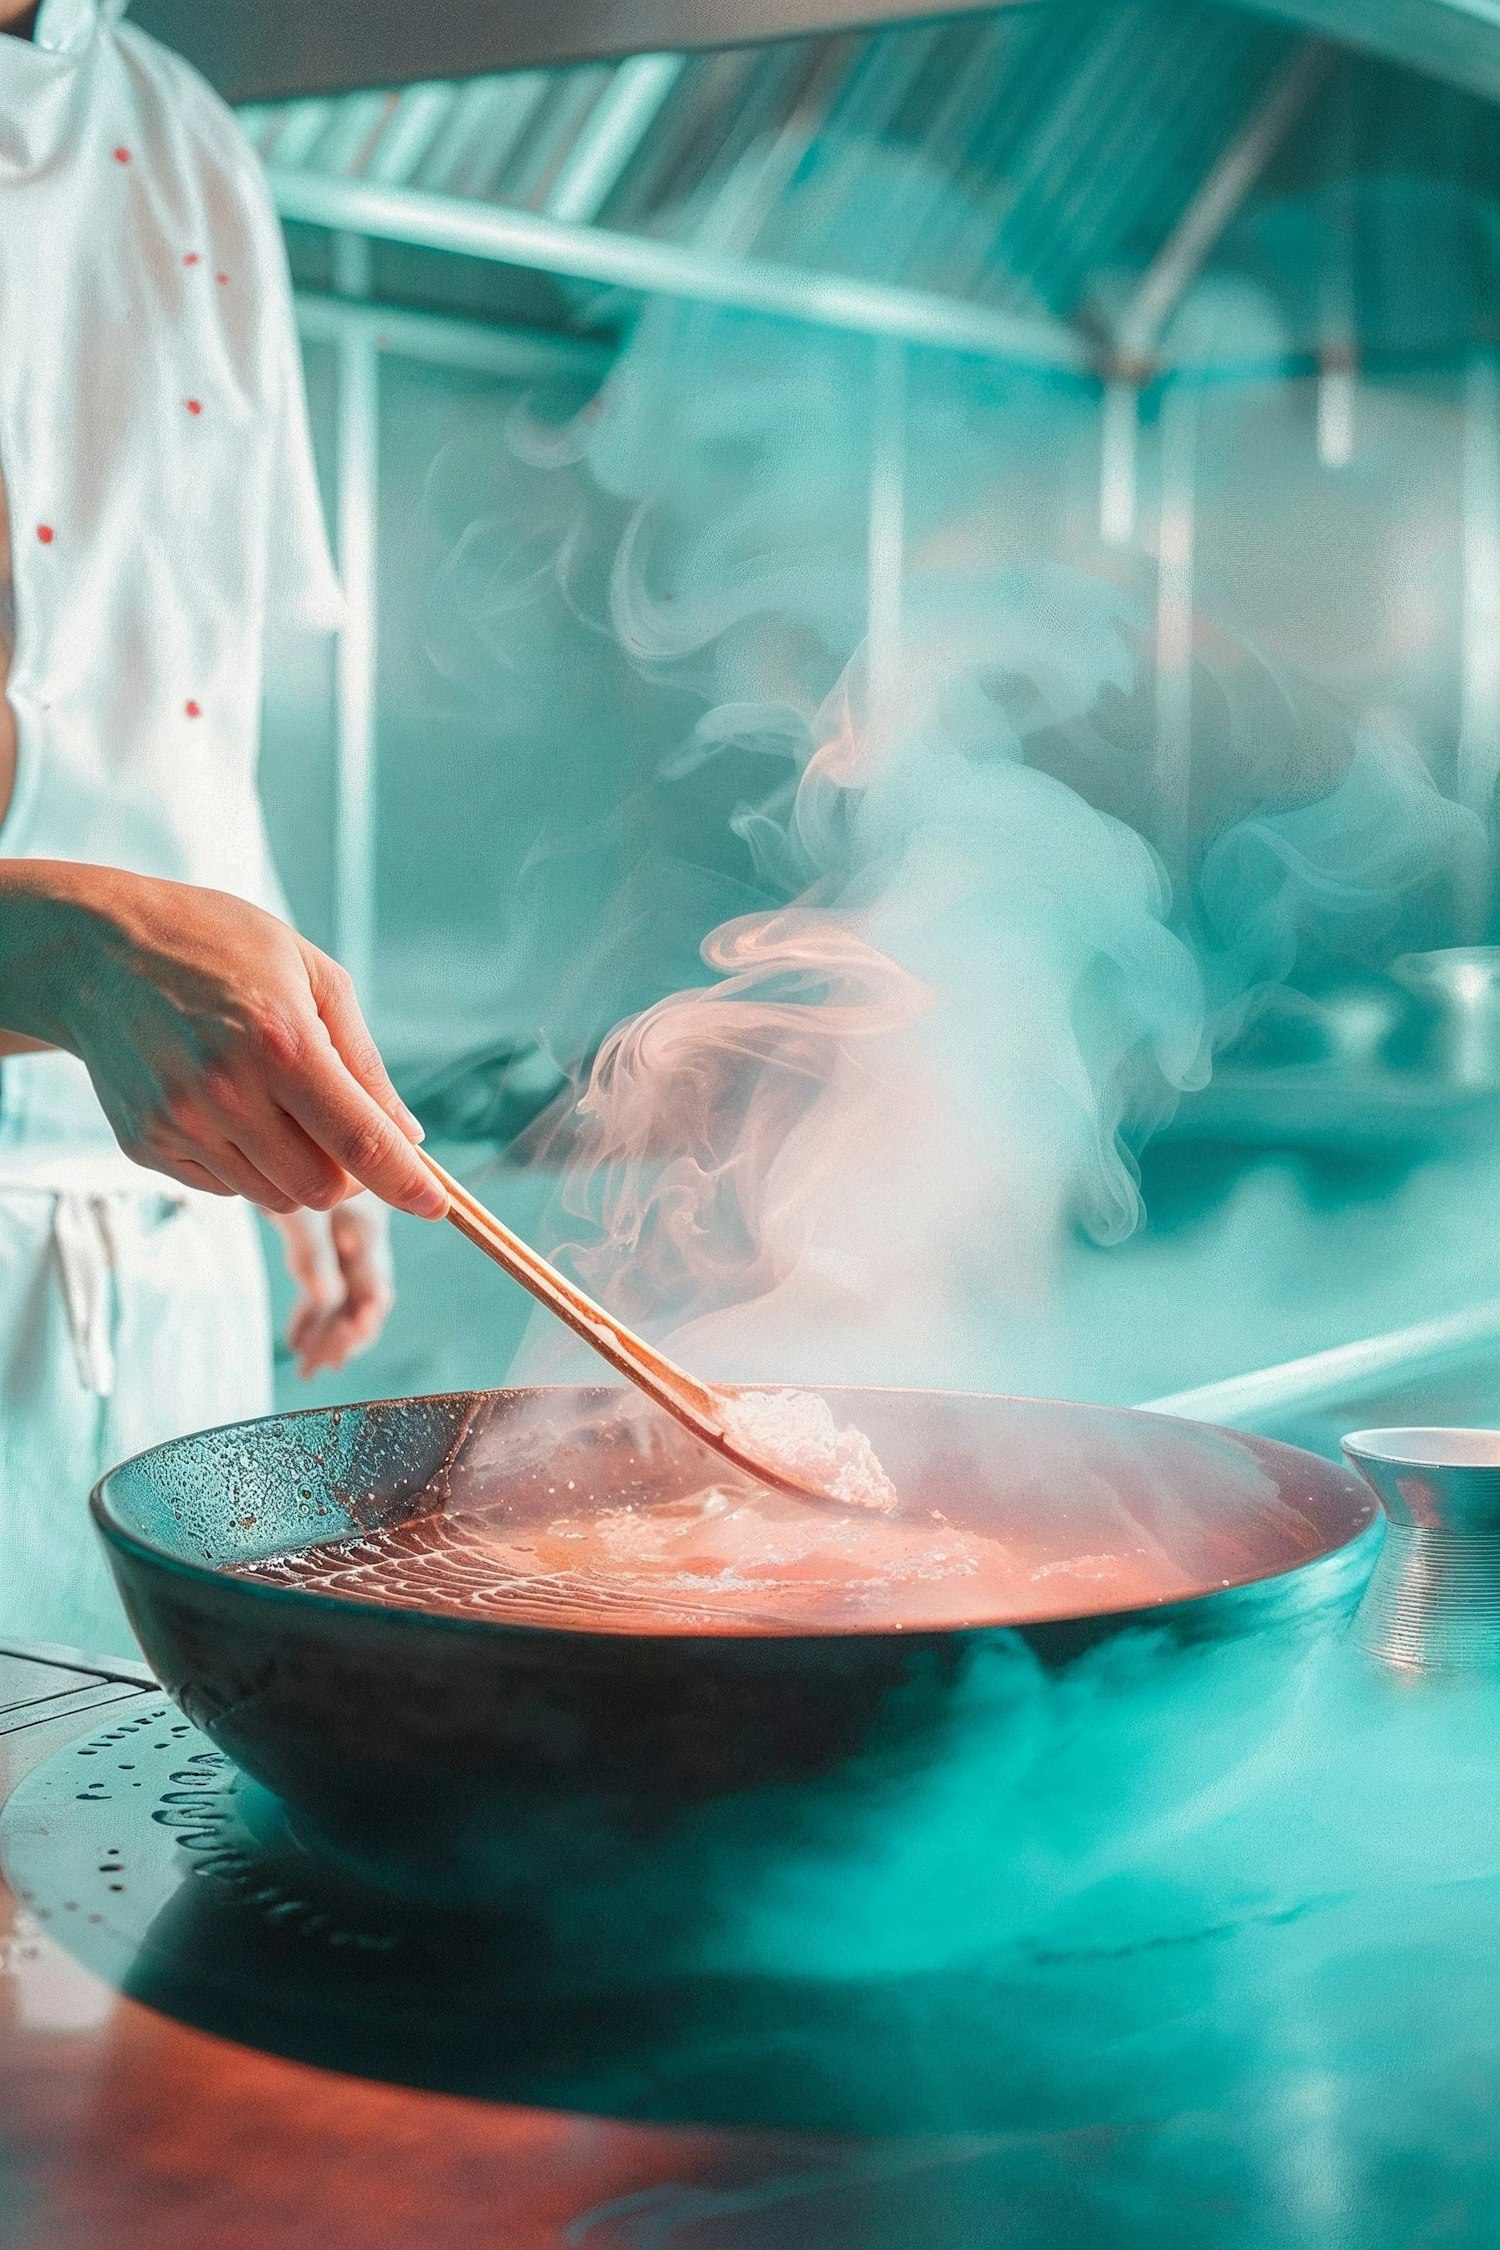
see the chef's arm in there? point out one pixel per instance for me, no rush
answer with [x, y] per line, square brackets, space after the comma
[227, 1052]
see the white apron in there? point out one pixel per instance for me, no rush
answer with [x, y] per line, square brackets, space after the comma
[125, 1318]
[163, 509]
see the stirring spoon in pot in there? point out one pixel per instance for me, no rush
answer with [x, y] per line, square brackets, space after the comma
[786, 1438]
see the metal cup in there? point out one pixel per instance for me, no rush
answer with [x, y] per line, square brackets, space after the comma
[1433, 1601]
[1460, 985]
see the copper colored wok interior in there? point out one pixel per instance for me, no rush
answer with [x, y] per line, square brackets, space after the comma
[531, 1507]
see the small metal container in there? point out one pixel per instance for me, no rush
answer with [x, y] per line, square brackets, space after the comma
[1459, 988]
[1433, 1601]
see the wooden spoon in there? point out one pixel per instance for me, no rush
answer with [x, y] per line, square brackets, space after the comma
[699, 1407]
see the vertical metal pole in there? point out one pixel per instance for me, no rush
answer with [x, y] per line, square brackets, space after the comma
[1336, 396]
[1178, 456]
[1119, 445]
[358, 491]
[886, 534]
[1338, 356]
[1479, 724]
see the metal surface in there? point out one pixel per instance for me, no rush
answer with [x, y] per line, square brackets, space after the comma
[1408, 1059]
[1024, 157]
[123, 2127]
[523, 238]
[1457, 40]
[505, 355]
[1135, 351]
[1137, 333]
[181, 1884]
[1461, 1037]
[207, 2073]
[885, 555]
[1478, 763]
[177, 1882]
[1433, 1602]
[1344, 1372]
[68, 1659]
[40, 1686]
[269, 48]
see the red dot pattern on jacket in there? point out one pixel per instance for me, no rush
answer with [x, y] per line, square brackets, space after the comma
[192, 259]
[193, 710]
[45, 533]
[193, 405]
[222, 279]
[122, 156]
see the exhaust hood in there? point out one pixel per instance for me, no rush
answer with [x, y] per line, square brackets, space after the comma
[264, 50]
[1055, 177]
[1457, 40]
[261, 50]
[1031, 158]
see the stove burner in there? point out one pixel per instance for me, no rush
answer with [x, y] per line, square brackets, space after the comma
[117, 1887]
[147, 1855]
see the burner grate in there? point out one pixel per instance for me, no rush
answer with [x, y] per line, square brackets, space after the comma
[106, 1837]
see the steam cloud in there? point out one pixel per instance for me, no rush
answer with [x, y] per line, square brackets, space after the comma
[974, 987]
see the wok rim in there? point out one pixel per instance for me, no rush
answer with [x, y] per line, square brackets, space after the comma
[114, 1534]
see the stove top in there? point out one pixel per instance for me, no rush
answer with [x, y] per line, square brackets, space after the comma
[143, 1851]
[1299, 2072]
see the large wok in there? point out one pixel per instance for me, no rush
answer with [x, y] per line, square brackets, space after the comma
[424, 1745]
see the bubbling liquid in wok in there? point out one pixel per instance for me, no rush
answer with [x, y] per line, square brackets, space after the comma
[732, 1556]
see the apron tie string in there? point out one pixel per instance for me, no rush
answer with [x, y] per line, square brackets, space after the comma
[88, 1256]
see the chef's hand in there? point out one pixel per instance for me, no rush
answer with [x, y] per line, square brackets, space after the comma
[227, 1051]
[340, 1261]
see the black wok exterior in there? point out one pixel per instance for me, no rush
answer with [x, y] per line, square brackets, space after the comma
[422, 1742]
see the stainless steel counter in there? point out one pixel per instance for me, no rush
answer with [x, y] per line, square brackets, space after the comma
[1318, 2076]
[123, 2130]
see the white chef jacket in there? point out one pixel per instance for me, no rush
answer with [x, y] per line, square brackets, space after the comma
[164, 512]
[163, 501]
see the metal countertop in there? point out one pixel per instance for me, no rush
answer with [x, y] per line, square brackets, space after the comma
[122, 2130]
[1337, 2097]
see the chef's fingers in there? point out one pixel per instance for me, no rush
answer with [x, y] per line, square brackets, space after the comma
[361, 1239]
[315, 1087]
[313, 1267]
[329, 1339]
[186, 1173]
[204, 1159]
[363, 1250]
[242, 1176]
[277, 1146]
[338, 1005]
[307, 1253]
[359, 1243]
[362, 1247]
[233, 1109]
[340, 1337]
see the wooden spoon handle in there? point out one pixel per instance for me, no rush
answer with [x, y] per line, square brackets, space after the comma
[692, 1402]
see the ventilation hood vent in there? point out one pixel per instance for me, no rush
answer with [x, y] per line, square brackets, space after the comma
[271, 49]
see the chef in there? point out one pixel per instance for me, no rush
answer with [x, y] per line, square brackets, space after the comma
[174, 1051]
